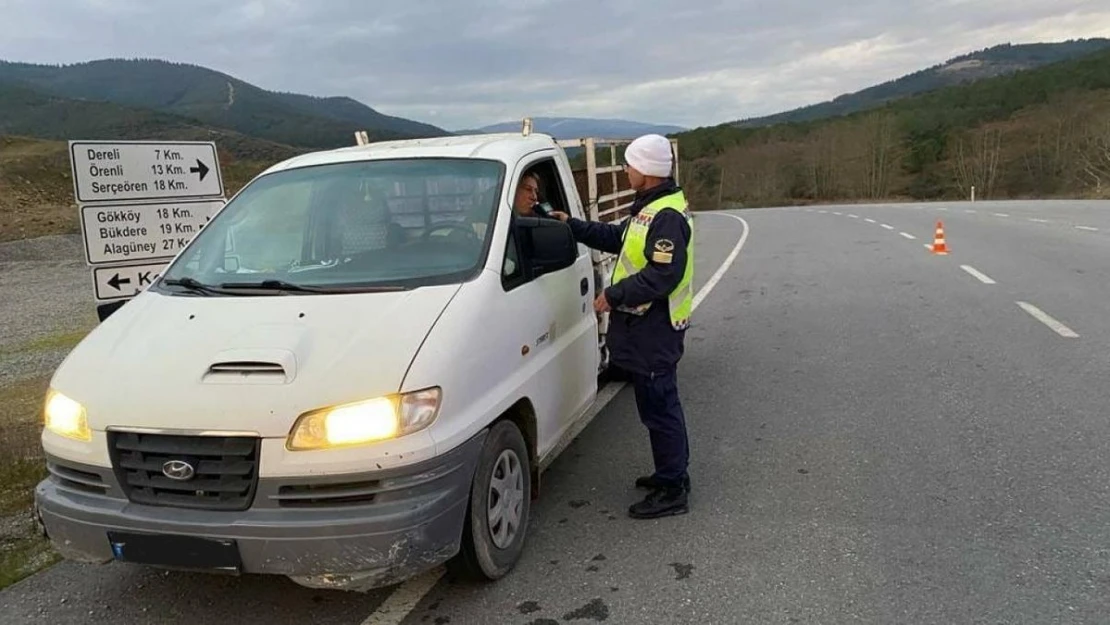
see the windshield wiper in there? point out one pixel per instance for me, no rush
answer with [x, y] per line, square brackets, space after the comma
[282, 285]
[193, 284]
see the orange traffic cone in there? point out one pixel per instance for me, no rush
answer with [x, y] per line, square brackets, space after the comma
[939, 246]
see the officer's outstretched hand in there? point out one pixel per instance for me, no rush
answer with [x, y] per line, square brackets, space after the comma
[563, 217]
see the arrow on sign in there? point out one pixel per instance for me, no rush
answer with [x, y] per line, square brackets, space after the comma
[116, 281]
[201, 169]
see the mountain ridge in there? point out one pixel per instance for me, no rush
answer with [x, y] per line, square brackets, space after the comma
[216, 99]
[998, 60]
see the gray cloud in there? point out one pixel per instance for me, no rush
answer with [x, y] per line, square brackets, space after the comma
[471, 62]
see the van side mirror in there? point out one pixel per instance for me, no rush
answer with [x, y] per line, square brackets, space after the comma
[547, 245]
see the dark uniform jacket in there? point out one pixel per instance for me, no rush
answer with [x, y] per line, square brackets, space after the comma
[643, 344]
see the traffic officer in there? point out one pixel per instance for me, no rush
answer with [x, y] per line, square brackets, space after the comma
[650, 301]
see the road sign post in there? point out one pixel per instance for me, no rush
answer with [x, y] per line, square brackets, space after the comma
[144, 170]
[116, 282]
[140, 204]
[125, 233]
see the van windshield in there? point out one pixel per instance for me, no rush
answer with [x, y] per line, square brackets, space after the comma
[367, 225]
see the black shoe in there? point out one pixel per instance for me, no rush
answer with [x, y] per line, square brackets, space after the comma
[647, 482]
[660, 503]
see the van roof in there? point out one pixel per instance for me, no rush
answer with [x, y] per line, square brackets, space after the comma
[500, 146]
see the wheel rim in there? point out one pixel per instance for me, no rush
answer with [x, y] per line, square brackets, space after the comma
[506, 499]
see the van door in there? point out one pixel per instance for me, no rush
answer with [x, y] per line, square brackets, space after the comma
[554, 316]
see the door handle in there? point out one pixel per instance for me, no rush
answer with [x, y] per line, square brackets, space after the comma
[584, 285]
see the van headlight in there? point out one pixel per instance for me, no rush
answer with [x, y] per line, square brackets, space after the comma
[362, 422]
[65, 417]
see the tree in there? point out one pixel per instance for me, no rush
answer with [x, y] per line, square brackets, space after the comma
[1094, 158]
[977, 157]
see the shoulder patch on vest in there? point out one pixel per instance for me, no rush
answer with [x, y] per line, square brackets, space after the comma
[662, 257]
[664, 245]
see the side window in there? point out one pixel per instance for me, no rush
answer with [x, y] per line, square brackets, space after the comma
[543, 176]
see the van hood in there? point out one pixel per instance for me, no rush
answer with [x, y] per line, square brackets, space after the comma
[245, 364]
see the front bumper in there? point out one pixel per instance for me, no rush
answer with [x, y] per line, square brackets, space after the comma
[362, 531]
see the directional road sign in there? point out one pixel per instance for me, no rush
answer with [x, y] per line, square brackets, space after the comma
[125, 281]
[125, 171]
[130, 232]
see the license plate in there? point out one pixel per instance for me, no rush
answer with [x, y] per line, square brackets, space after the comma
[176, 551]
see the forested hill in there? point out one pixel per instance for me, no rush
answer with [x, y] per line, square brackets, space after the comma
[987, 63]
[207, 97]
[1043, 132]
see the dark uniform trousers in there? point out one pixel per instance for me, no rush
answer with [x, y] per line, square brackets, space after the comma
[661, 413]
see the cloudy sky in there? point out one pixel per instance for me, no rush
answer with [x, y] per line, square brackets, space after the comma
[464, 63]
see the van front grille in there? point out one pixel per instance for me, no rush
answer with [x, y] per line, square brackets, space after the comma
[199, 472]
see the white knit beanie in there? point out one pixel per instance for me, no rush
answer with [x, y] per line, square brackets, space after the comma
[650, 155]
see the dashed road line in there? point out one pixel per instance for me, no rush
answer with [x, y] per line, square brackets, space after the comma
[907, 235]
[1087, 228]
[971, 211]
[888, 227]
[869, 220]
[984, 278]
[836, 213]
[853, 216]
[404, 599]
[1040, 221]
[1044, 318]
[1000, 214]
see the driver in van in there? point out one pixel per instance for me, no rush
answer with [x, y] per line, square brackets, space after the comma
[526, 202]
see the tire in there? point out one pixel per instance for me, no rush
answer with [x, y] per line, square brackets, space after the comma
[487, 555]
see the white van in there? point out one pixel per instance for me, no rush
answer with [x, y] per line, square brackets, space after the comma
[354, 373]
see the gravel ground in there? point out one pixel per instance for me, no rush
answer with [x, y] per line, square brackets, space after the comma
[45, 291]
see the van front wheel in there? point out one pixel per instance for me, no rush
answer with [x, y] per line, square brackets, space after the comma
[498, 512]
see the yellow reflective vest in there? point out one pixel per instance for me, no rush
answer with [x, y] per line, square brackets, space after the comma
[633, 259]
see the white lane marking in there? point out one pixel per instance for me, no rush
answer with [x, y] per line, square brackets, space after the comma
[1040, 221]
[1044, 318]
[984, 278]
[823, 212]
[887, 227]
[1087, 228]
[708, 287]
[836, 213]
[404, 599]
[869, 220]
[928, 247]
[1000, 214]
[907, 235]
[970, 211]
[941, 208]
[853, 216]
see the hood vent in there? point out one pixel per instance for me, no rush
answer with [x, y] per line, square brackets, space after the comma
[247, 370]
[251, 366]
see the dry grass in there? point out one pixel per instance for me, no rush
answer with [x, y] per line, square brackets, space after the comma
[20, 424]
[36, 191]
[22, 550]
[23, 554]
[65, 339]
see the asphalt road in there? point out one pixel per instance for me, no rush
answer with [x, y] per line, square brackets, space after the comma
[878, 436]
